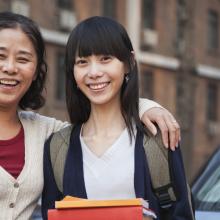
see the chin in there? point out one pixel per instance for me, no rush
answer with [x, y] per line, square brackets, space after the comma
[98, 102]
[103, 99]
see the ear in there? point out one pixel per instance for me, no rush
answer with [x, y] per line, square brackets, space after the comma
[132, 53]
[132, 61]
[133, 57]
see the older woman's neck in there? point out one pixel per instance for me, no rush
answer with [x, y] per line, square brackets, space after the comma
[10, 122]
[8, 115]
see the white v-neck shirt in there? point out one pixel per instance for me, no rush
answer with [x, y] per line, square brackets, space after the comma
[110, 176]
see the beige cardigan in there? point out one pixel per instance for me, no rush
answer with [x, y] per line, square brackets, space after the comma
[18, 197]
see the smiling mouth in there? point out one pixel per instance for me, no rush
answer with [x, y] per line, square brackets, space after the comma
[10, 83]
[98, 86]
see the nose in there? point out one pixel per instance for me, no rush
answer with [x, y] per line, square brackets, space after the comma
[9, 67]
[95, 70]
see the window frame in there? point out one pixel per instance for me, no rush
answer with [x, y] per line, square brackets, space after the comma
[212, 30]
[212, 102]
[149, 12]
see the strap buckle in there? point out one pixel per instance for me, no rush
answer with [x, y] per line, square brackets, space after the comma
[164, 197]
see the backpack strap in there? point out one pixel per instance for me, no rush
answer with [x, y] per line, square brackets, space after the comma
[59, 145]
[157, 157]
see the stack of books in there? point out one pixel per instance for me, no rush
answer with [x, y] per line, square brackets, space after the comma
[72, 208]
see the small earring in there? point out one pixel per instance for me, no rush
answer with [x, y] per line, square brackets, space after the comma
[126, 78]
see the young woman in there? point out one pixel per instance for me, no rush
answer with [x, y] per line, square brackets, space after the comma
[22, 134]
[105, 158]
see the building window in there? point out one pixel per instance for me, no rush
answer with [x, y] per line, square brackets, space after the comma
[109, 8]
[149, 35]
[148, 14]
[65, 4]
[66, 15]
[213, 29]
[60, 77]
[212, 102]
[146, 84]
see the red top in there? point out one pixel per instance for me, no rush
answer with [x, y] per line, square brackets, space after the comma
[12, 154]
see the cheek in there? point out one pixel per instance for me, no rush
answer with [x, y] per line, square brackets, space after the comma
[34, 70]
[78, 75]
[31, 71]
[75, 75]
[119, 73]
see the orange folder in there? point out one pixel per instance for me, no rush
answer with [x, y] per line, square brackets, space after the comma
[72, 208]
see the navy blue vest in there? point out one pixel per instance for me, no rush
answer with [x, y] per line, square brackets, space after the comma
[74, 184]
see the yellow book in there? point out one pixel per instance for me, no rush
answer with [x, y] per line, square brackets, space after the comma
[74, 202]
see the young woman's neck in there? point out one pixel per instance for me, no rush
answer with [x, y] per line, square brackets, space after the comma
[105, 120]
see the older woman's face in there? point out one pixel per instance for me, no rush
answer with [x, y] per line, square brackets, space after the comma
[18, 62]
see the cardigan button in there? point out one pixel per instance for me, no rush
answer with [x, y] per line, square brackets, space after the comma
[12, 205]
[16, 185]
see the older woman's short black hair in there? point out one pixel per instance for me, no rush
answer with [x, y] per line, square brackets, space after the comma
[101, 35]
[33, 98]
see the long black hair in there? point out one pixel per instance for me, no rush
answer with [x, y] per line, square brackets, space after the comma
[33, 97]
[101, 35]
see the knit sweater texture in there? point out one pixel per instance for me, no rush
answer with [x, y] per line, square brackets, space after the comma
[19, 197]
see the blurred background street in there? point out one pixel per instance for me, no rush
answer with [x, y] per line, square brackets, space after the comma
[177, 45]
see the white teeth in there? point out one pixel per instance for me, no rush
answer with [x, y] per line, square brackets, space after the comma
[98, 86]
[8, 82]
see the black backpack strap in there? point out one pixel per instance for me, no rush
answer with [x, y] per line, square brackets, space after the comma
[59, 145]
[157, 157]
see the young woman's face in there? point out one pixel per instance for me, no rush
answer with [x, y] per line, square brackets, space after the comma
[99, 77]
[18, 62]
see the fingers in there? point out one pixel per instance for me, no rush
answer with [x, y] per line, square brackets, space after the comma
[161, 122]
[151, 127]
[174, 130]
[167, 124]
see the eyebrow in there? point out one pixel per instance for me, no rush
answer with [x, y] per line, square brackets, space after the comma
[25, 53]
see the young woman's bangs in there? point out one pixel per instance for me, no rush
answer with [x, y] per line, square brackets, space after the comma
[100, 42]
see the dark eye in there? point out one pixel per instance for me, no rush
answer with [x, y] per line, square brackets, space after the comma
[106, 58]
[81, 62]
[2, 56]
[23, 60]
